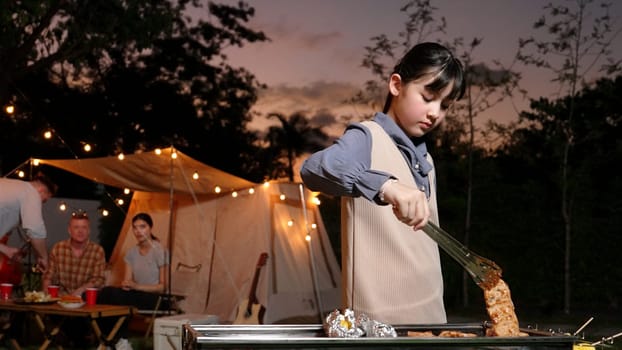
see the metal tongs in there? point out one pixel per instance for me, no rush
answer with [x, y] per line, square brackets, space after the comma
[484, 272]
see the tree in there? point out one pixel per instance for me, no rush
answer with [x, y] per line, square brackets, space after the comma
[294, 138]
[133, 83]
[71, 36]
[576, 43]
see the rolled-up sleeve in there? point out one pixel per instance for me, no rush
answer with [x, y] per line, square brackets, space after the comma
[343, 169]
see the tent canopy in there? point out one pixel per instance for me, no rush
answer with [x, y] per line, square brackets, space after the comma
[153, 172]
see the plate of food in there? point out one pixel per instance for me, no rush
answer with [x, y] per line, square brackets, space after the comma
[35, 297]
[71, 302]
[71, 305]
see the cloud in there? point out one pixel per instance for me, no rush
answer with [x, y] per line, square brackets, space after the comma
[290, 33]
[324, 103]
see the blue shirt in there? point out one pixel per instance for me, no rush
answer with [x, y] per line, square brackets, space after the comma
[343, 169]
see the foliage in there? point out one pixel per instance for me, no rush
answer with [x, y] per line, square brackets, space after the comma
[575, 43]
[128, 76]
[291, 140]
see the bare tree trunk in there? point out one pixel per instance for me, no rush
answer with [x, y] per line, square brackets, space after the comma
[567, 230]
[467, 223]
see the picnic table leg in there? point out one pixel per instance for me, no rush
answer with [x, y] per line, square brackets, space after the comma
[48, 336]
[113, 332]
[5, 329]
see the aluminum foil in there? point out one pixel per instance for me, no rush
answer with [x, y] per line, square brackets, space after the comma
[348, 325]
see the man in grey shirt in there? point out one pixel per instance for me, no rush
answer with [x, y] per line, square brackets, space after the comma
[21, 205]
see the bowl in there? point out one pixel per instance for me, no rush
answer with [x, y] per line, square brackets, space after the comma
[67, 305]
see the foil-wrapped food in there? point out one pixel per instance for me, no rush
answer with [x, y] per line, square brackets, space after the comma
[349, 325]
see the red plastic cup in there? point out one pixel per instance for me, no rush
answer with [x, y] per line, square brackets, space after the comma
[5, 290]
[53, 291]
[91, 296]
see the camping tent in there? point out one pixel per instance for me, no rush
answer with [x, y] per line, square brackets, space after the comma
[217, 237]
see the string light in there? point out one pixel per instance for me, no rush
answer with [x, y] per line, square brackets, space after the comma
[47, 134]
[308, 238]
[174, 155]
[87, 147]
[290, 223]
[266, 184]
[62, 206]
[10, 109]
[36, 162]
[195, 175]
[282, 197]
[158, 151]
[126, 190]
[105, 212]
[120, 201]
[234, 194]
[121, 156]
[21, 174]
[217, 189]
[315, 201]
[251, 190]
[314, 226]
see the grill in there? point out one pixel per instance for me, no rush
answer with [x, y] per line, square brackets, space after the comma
[313, 337]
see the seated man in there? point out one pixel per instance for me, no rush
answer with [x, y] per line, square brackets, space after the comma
[76, 264]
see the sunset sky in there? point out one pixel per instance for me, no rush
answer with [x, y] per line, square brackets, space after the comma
[313, 60]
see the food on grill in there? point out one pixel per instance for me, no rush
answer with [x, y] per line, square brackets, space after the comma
[426, 334]
[36, 297]
[501, 311]
[456, 334]
[70, 299]
[442, 334]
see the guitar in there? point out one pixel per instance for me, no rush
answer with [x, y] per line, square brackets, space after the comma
[249, 310]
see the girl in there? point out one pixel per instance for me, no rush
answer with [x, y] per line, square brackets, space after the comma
[145, 269]
[381, 168]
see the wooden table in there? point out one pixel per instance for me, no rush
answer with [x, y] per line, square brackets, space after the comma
[92, 312]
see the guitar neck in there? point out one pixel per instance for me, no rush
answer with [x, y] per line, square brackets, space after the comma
[252, 298]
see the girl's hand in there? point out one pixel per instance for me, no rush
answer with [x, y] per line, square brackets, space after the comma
[128, 284]
[410, 205]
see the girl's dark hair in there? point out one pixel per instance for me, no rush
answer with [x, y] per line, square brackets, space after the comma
[431, 58]
[146, 218]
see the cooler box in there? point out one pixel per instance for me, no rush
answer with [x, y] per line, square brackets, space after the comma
[167, 330]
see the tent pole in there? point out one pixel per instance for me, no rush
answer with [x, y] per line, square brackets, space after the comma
[318, 298]
[170, 228]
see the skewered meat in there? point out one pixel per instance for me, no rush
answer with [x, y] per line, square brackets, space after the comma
[501, 311]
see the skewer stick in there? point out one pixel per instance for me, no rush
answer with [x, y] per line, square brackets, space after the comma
[606, 339]
[583, 326]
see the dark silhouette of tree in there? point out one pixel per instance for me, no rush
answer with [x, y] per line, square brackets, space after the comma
[291, 140]
[575, 44]
[70, 36]
[530, 164]
[162, 82]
